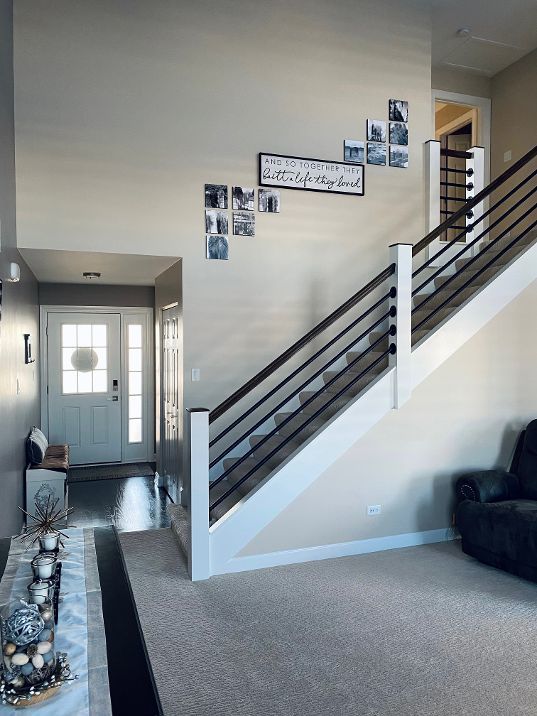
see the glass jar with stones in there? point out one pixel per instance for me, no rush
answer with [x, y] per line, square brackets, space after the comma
[28, 655]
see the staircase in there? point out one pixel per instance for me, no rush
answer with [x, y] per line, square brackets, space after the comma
[419, 294]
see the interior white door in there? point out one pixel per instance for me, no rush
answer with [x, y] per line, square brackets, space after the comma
[84, 399]
[170, 399]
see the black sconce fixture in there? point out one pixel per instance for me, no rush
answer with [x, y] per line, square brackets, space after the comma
[28, 349]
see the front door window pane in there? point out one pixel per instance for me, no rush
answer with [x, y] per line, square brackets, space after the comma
[84, 358]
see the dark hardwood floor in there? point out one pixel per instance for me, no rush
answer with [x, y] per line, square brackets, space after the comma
[131, 504]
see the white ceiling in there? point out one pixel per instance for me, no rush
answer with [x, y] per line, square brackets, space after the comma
[117, 269]
[501, 32]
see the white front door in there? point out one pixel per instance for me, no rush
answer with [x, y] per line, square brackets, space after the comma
[84, 397]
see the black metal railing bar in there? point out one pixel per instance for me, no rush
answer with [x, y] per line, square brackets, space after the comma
[455, 153]
[290, 437]
[484, 215]
[298, 410]
[477, 199]
[469, 186]
[300, 368]
[469, 245]
[468, 172]
[298, 345]
[303, 385]
[472, 278]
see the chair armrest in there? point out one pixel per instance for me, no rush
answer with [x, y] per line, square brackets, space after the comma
[488, 486]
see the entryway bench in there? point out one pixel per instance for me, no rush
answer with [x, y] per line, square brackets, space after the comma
[46, 472]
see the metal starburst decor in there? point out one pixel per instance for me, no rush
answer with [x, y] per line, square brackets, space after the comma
[45, 522]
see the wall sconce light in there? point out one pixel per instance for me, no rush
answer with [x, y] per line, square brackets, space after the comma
[14, 272]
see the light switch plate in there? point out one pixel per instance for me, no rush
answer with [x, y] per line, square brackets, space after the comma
[196, 374]
[507, 156]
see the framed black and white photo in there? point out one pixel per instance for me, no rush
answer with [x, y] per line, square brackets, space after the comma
[376, 153]
[215, 222]
[243, 223]
[269, 200]
[242, 198]
[398, 156]
[215, 196]
[398, 110]
[290, 172]
[399, 133]
[354, 151]
[376, 130]
[217, 247]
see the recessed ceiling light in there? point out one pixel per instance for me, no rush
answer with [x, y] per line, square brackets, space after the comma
[91, 274]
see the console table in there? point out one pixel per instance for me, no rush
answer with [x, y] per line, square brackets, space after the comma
[118, 677]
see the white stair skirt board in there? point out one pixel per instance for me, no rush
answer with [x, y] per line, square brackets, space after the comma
[341, 549]
[247, 518]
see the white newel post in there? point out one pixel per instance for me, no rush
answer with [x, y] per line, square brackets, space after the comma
[432, 184]
[401, 256]
[474, 184]
[198, 442]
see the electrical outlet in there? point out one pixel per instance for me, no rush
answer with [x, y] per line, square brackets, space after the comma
[196, 374]
[374, 509]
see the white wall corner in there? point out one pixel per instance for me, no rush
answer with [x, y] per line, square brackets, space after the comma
[198, 492]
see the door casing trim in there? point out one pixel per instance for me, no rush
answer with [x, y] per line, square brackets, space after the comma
[149, 398]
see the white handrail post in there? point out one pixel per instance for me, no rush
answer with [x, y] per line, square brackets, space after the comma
[432, 185]
[401, 321]
[474, 184]
[198, 494]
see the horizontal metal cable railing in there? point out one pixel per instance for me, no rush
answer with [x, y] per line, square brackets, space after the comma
[309, 420]
[517, 212]
[378, 316]
[332, 390]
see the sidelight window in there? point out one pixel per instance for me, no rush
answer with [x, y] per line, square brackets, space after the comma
[135, 382]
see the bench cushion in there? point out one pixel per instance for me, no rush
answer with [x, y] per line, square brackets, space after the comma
[56, 458]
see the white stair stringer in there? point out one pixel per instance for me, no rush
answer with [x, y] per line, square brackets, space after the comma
[230, 534]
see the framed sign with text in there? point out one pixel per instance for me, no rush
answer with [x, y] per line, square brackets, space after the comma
[289, 172]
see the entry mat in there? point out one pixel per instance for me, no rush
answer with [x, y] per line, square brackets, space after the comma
[110, 472]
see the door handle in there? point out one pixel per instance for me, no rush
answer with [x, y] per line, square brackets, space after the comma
[113, 399]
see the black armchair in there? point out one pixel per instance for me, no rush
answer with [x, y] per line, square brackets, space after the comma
[496, 512]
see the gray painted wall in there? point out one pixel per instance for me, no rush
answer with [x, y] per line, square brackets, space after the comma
[19, 383]
[74, 294]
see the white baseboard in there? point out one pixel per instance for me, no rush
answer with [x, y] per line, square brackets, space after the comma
[341, 549]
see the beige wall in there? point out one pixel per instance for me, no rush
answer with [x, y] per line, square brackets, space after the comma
[465, 416]
[19, 407]
[444, 78]
[122, 116]
[514, 112]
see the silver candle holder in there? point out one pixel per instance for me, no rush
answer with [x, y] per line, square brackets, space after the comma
[41, 591]
[44, 565]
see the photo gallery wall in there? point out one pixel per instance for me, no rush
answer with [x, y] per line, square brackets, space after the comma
[243, 215]
[387, 141]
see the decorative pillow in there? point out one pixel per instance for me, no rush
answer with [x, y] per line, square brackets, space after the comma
[41, 435]
[36, 446]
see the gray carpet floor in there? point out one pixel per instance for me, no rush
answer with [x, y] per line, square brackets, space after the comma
[110, 472]
[422, 631]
